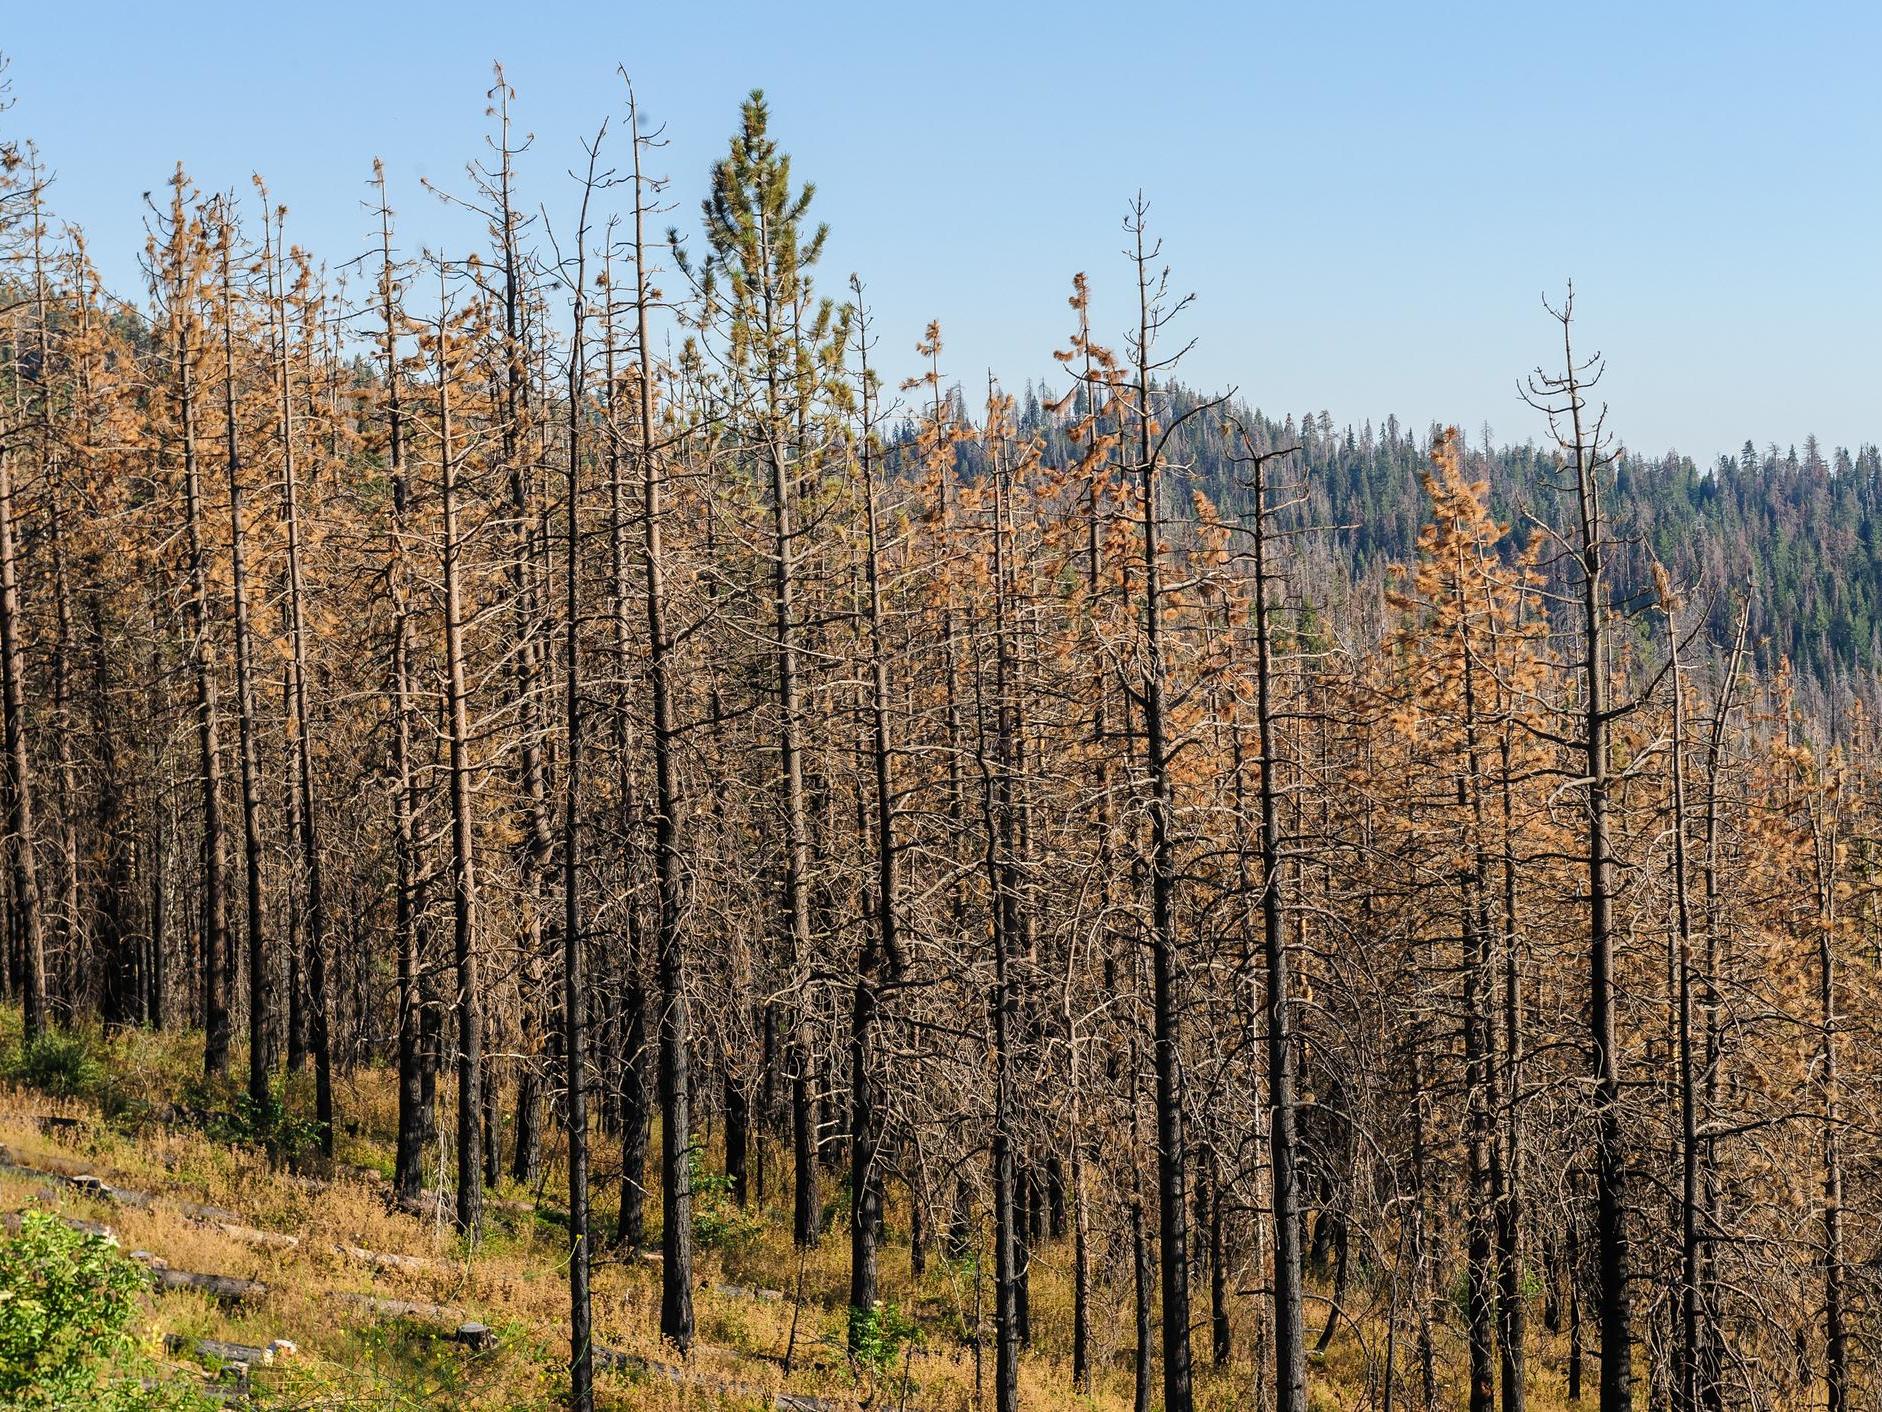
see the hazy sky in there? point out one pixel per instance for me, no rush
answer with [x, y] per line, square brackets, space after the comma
[1367, 199]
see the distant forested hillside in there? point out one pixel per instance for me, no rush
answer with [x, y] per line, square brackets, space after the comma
[1796, 528]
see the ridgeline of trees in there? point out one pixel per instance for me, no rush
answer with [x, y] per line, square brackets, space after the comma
[1794, 529]
[1314, 884]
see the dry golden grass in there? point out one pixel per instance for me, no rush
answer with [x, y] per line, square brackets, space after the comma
[513, 1281]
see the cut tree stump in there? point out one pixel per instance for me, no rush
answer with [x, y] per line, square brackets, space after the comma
[475, 1336]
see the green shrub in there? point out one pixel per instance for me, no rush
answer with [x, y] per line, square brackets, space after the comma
[65, 1301]
[878, 1336]
[286, 1136]
[65, 1063]
[718, 1222]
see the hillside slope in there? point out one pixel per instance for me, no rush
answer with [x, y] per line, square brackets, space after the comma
[352, 1303]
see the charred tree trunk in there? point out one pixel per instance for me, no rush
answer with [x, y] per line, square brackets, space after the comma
[1290, 1383]
[470, 1176]
[881, 954]
[181, 275]
[1172, 1157]
[415, 1117]
[676, 1192]
[25, 878]
[318, 1036]
[574, 977]
[260, 987]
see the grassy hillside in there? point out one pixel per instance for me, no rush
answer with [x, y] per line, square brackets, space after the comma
[191, 1191]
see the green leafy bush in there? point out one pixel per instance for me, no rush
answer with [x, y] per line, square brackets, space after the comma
[284, 1135]
[878, 1336]
[718, 1221]
[66, 1299]
[65, 1063]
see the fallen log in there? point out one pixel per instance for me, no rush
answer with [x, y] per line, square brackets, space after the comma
[251, 1355]
[263, 1240]
[92, 1228]
[763, 1296]
[385, 1260]
[231, 1226]
[414, 1310]
[99, 1189]
[226, 1289]
[207, 1215]
[76, 1177]
[633, 1363]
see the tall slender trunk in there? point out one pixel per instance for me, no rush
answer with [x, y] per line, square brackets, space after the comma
[180, 292]
[1706, 1353]
[1826, 810]
[881, 950]
[470, 1194]
[1686, 1352]
[1172, 1157]
[20, 836]
[676, 1190]
[115, 933]
[415, 1120]
[1290, 1383]
[260, 982]
[1611, 1240]
[1141, 1284]
[574, 977]
[1479, 1282]
[1104, 823]
[72, 959]
[996, 771]
[634, 1087]
[293, 930]
[1487, 1278]
[318, 1037]
[528, 587]
[1512, 1306]
[794, 916]
[70, 930]
[1081, 1268]
[1219, 1337]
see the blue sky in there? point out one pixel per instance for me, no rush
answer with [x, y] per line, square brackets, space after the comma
[1368, 199]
